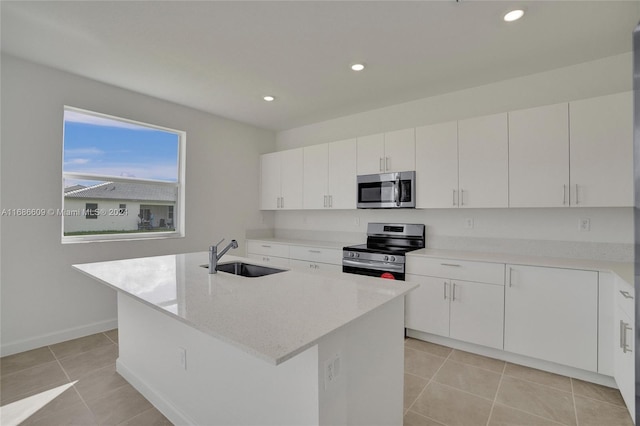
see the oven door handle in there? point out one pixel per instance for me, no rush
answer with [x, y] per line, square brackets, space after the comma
[397, 189]
[378, 266]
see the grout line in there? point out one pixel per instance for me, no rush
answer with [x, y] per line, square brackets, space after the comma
[429, 382]
[573, 398]
[495, 397]
[599, 400]
[426, 417]
[69, 381]
[105, 333]
[541, 384]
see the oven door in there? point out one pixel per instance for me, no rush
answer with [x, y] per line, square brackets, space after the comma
[374, 269]
[387, 190]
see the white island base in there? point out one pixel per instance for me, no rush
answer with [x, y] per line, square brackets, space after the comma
[193, 378]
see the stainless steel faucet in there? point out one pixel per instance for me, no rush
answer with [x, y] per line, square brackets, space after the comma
[214, 256]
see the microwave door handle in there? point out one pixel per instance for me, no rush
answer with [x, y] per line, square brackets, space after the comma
[397, 189]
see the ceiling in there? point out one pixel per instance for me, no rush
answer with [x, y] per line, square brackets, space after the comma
[223, 57]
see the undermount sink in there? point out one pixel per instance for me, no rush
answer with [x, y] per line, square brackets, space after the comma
[246, 269]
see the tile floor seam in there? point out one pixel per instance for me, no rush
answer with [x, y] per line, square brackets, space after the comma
[87, 351]
[538, 383]
[599, 400]
[69, 381]
[429, 382]
[427, 417]
[531, 414]
[495, 397]
[476, 366]
[463, 391]
[573, 398]
[107, 336]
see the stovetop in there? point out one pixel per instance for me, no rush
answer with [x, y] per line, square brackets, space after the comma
[392, 250]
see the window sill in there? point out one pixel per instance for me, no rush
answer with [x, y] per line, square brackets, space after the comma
[121, 237]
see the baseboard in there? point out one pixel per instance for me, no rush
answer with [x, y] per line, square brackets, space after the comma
[174, 415]
[551, 367]
[57, 337]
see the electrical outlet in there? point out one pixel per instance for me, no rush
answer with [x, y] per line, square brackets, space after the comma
[468, 223]
[182, 357]
[585, 224]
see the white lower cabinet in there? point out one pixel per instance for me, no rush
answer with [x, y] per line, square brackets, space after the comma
[266, 251]
[552, 314]
[623, 356]
[305, 265]
[463, 310]
[276, 261]
[307, 258]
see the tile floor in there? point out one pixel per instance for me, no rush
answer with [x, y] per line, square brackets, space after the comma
[443, 386]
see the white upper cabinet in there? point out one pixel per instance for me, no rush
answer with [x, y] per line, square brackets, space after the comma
[316, 176]
[330, 175]
[371, 154]
[342, 174]
[601, 147]
[437, 166]
[539, 157]
[483, 159]
[387, 152]
[400, 150]
[270, 181]
[281, 180]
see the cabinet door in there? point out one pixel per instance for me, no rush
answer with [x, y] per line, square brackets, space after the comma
[275, 261]
[371, 154]
[269, 181]
[477, 313]
[483, 154]
[400, 150]
[342, 174]
[539, 157]
[624, 369]
[437, 166]
[602, 151]
[427, 307]
[552, 314]
[292, 176]
[315, 172]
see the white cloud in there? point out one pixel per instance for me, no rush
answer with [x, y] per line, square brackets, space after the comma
[83, 151]
[78, 161]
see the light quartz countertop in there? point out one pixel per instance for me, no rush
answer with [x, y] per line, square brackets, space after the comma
[623, 269]
[274, 317]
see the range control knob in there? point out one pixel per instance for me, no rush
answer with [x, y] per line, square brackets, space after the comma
[386, 258]
[357, 254]
[392, 258]
[351, 254]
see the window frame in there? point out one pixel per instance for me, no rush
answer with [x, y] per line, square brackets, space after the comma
[179, 207]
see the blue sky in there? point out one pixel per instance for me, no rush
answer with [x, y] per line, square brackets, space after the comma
[98, 145]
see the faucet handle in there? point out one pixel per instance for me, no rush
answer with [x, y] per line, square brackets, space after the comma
[216, 245]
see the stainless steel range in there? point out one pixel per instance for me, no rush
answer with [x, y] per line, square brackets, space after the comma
[384, 254]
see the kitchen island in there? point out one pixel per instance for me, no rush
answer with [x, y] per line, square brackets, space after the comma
[289, 348]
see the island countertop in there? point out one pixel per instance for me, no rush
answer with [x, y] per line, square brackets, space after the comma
[274, 317]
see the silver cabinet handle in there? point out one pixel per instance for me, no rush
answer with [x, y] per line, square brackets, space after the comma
[266, 259]
[577, 202]
[450, 264]
[462, 197]
[509, 278]
[325, 201]
[282, 202]
[626, 294]
[330, 200]
[381, 165]
[278, 202]
[454, 197]
[564, 194]
[386, 163]
[265, 246]
[453, 292]
[445, 290]
[315, 251]
[623, 336]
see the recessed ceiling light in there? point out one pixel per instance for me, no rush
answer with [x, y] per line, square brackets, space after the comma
[357, 67]
[269, 98]
[514, 15]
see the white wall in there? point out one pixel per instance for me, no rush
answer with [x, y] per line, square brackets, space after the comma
[596, 78]
[43, 300]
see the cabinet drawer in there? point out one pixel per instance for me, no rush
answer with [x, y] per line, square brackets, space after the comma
[624, 297]
[492, 273]
[315, 254]
[306, 266]
[268, 248]
[274, 260]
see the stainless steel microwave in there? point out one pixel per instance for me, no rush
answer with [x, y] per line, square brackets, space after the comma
[387, 191]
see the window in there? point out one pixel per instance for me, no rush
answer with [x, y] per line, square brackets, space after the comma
[126, 176]
[91, 211]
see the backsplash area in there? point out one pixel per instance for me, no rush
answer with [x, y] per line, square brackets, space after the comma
[536, 232]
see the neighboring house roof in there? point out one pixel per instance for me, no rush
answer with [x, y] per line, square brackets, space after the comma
[73, 188]
[125, 191]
